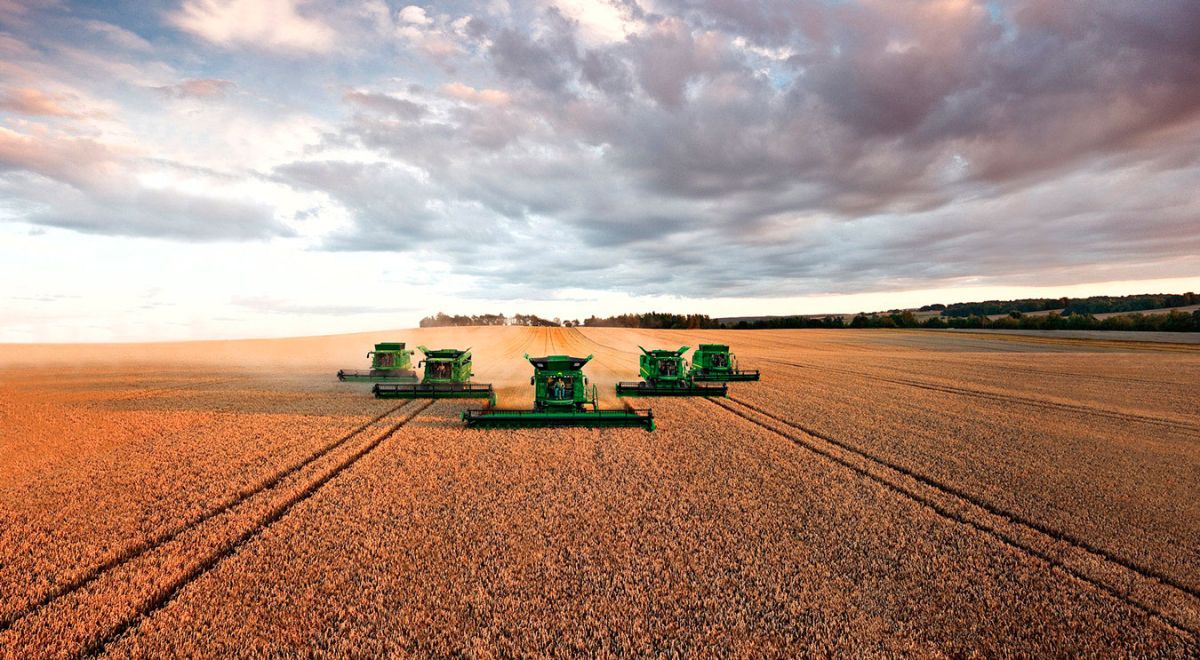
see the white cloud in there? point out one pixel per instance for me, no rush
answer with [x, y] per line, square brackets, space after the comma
[467, 93]
[270, 24]
[600, 21]
[415, 15]
[119, 36]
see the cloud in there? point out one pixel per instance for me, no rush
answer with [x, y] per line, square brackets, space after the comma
[385, 104]
[29, 101]
[197, 88]
[93, 187]
[144, 212]
[470, 94]
[840, 146]
[702, 147]
[119, 36]
[414, 15]
[548, 60]
[267, 24]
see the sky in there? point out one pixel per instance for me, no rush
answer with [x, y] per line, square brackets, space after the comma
[192, 169]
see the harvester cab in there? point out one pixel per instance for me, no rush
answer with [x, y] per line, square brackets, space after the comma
[714, 363]
[447, 376]
[665, 373]
[562, 396]
[390, 363]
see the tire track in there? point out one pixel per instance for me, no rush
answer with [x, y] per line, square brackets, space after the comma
[1099, 343]
[584, 337]
[163, 390]
[148, 546]
[1118, 577]
[165, 595]
[1008, 398]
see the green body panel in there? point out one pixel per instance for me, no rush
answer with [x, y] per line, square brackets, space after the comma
[446, 365]
[561, 397]
[665, 373]
[559, 384]
[390, 363]
[714, 363]
[662, 365]
[447, 376]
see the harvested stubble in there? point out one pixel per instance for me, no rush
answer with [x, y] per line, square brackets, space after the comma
[726, 531]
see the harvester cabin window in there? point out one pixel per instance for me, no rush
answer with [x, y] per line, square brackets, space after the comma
[666, 367]
[560, 387]
[385, 359]
[718, 360]
[439, 369]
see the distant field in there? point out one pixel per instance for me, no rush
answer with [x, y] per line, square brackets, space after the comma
[878, 492]
[1098, 335]
[1164, 310]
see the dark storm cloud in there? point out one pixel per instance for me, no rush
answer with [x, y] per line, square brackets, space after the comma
[548, 61]
[776, 147]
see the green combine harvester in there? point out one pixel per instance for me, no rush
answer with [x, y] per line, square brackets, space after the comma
[561, 398]
[447, 376]
[714, 363]
[665, 373]
[390, 363]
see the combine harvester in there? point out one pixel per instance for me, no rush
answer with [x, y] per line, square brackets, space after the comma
[561, 398]
[447, 376]
[713, 363]
[390, 363]
[665, 373]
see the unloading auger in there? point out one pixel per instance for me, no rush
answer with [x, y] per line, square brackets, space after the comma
[562, 397]
[447, 376]
[665, 373]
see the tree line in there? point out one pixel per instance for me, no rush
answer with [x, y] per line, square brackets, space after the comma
[1069, 306]
[651, 320]
[1174, 321]
[441, 320]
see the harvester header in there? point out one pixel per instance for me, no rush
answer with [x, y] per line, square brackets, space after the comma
[562, 397]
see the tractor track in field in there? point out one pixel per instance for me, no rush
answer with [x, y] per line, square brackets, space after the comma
[1124, 580]
[1006, 398]
[176, 586]
[151, 392]
[136, 551]
[584, 337]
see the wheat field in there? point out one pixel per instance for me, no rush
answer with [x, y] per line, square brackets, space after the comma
[878, 492]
